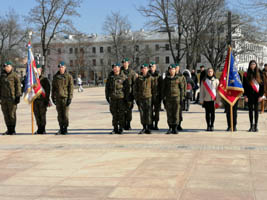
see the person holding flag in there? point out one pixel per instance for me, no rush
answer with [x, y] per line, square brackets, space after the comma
[254, 90]
[41, 103]
[10, 92]
[209, 97]
[230, 89]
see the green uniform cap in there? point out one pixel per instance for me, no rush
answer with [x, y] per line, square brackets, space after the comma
[8, 63]
[144, 65]
[117, 64]
[177, 64]
[151, 64]
[61, 64]
[172, 66]
[125, 60]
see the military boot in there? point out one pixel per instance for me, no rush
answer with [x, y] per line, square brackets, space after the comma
[174, 129]
[170, 130]
[179, 127]
[38, 131]
[65, 130]
[147, 131]
[12, 130]
[7, 131]
[43, 130]
[60, 131]
[143, 130]
[115, 130]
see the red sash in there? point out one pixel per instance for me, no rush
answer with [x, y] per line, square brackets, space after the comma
[211, 91]
[254, 84]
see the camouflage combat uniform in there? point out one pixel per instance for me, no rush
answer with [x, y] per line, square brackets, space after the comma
[10, 92]
[143, 89]
[117, 91]
[40, 105]
[62, 93]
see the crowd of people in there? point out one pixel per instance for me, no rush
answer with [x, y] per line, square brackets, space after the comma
[148, 89]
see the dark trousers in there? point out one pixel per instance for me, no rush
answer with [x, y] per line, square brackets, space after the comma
[62, 112]
[228, 114]
[117, 108]
[253, 108]
[145, 111]
[210, 112]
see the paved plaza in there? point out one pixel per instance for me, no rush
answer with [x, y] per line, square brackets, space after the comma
[91, 164]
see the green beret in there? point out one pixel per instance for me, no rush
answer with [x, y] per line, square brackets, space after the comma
[38, 66]
[125, 60]
[61, 64]
[151, 64]
[8, 63]
[144, 65]
[117, 64]
[177, 64]
[171, 66]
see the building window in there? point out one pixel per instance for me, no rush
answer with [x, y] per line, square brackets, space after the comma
[109, 49]
[137, 61]
[101, 49]
[94, 50]
[157, 60]
[167, 47]
[94, 62]
[136, 48]
[59, 50]
[101, 61]
[71, 63]
[167, 59]
[70, 50]
[81, 50]
[156, 47]
[147, 47]
[76, 50]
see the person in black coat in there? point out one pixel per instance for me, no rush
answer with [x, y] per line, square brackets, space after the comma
[203, 74]
[195, 79]
[253, 92]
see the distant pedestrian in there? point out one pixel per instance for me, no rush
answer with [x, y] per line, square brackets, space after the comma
[264, 73]
[253, 93]
[203, 74]
[195, 79]
[80, 83]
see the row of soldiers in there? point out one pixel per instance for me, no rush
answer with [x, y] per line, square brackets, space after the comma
[148, 89]
[11, 92]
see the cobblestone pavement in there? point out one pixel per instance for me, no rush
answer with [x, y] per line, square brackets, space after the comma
[89, 163]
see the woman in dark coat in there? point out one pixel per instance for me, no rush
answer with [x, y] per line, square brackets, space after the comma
[253, 92]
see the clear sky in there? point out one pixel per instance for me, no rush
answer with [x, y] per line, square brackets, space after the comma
[93, 12]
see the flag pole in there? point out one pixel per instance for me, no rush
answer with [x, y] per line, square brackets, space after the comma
[32, 118]
[231, 116]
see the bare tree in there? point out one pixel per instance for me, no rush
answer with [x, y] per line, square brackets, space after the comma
[117, 27]
[12, 37]
[52, 17]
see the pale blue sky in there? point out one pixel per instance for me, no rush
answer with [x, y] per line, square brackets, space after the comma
[93, 12]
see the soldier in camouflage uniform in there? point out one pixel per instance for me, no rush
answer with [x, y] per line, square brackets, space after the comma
[183, 95]
[62, 93]
[10, 92]
[143, 88]
[131, 76]
[171, 93]
[41, 103]
[117, 91]
[156, 99]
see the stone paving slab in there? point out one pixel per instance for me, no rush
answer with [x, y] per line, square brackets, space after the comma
[89, 163]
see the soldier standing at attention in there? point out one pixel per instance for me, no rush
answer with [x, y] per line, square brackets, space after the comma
[143, 88]
[41, 103]
[131, 76]
[10, 92]
[62, 93]
[156, 99]
[171, 93]
[183, 95]
[117, 91]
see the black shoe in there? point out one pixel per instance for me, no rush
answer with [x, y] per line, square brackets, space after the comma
[251, 128]
[174, 129]
[255, 128]
[208, 128]
[147, 131]
[169, 131]
[60, 131]
[235, 129]
[156, 126]
[228, 129]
